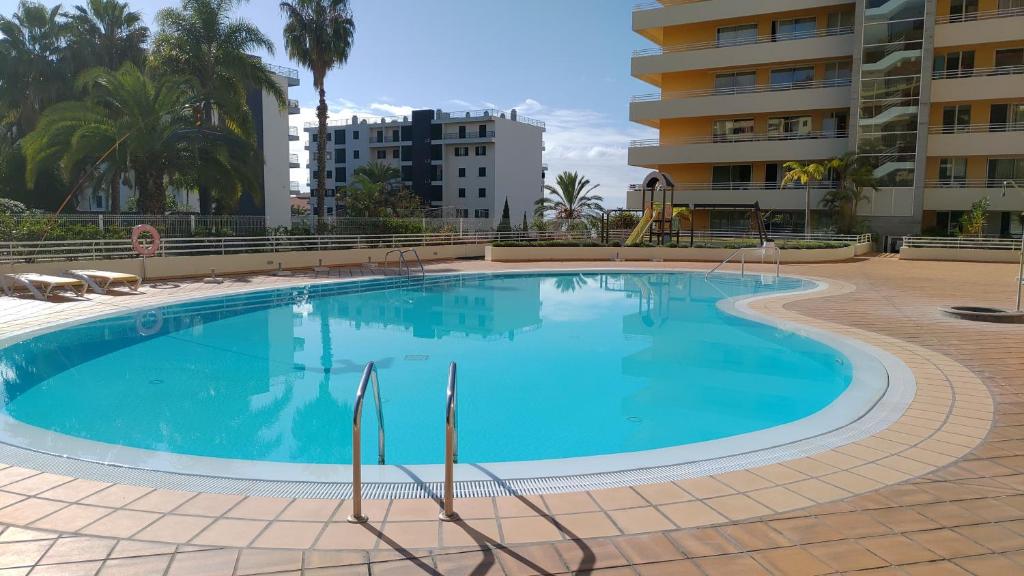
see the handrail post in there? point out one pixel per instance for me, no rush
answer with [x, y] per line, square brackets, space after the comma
[369, 377]
[451, 446]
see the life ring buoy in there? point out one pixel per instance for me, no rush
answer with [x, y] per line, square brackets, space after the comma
[149, 322]
[142, 249]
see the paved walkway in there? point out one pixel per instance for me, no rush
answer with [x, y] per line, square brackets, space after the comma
[938, 493]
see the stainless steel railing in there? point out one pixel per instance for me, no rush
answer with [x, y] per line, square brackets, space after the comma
[369, 377]
[403, 263]
[742, 252]
[451, 445]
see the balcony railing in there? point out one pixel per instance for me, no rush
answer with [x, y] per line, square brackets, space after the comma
[293, 131]
[734, 138]
[751, 186]
[468, 135]
[293, 158]
[283, 71]
[641, 6]
[294, 187]
[486, 114]
[976, 128]
[765, 39]
[986, 15]
[679, 95]
[970, 183]
[978, 72]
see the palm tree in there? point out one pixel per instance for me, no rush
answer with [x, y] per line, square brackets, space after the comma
[35, 73]
[804, 174]
[571, 200]
[133, 125]
[106, 33]
[378, 172]
[319, 36]
[852, 176]
[201, 40]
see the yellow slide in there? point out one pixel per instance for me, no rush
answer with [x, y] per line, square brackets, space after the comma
[641, 228]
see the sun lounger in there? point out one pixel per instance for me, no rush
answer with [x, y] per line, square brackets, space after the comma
[41, 285]
[100, 281]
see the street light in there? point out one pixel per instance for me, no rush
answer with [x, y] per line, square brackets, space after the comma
[1020, 272]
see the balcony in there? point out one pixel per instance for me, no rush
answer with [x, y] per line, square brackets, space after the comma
[817, 95]
[738, 148]
[293, 106]
[473, 135]
[294, 188]
[649, 64]
[386, 141]
[767, 194]
[650, 18]
[1001, 82]
[959, 194]
[293, 135]
[293, 161]
[1004, 25]
[289, 74]
[976, 140]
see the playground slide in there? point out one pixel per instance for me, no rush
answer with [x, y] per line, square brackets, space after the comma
[641, 228]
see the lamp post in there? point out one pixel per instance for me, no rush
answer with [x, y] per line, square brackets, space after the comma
[1020, 271]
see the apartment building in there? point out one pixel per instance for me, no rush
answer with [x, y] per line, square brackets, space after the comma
[465, 164]
[930, 92]
[272, 132]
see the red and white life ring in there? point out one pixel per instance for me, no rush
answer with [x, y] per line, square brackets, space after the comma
[142, 249]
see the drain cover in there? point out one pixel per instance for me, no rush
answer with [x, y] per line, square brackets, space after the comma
[416, 357]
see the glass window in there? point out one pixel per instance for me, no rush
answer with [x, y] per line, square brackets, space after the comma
[462, 192]
[1010, 4]
[1010, 57]
[789, 125]
[355, 154]
[394, 154]
[963, 10]
[482, 172]
[1002, 169]
[355, 134]
[735, 81]
[772, 173]
[732, 35]
[956, 118]
[481, 150]
[792, 77]
[462, 172]
[796, 27]
[462, 212]
[836, 123]
[482, 213]
[731, 176]
[382, 154]
[1005, 117]
[481, 192]
[339, 155]
[955, 64]
[728, 129]
[838, 71]
[953, 171]
[839, 20]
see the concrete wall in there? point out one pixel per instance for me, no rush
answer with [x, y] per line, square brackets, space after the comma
[192, 266]
[518, 173]
[276, 173]
[543, 254]
[958, 254]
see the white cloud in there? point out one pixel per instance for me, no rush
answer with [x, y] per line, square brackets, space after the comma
[577, 139]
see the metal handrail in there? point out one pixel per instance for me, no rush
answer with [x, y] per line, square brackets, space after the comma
[423, 271]
[369, 377]
[761, 39]
[733, 138]
[743, 263]
[757, 88]
[401, 259]
[976, 128]
[451, 445]
[974, 16]
[977, 72]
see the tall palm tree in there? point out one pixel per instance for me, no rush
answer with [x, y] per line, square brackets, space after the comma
[131, 124]
[805, 175]
[35, 73]
[319, 36]
[202, 40]
[106, 33]
[571, 199]
[852, 176]
[378, 172]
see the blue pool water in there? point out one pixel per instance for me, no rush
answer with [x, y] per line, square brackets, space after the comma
[550, 366]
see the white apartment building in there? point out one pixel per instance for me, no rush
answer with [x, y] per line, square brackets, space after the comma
[273, 134]
[464, 163]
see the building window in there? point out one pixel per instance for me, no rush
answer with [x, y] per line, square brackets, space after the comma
[794, 28]
[1010, 57]
[482, 172]
[395, 154]
[963, 10]
[839, 20]
[838, 71]
[380, 136]
[481, 192]
[723, 130]
[462, 132]
[330, 174]
[955, 64]
[792, 77]
[462, 150]
[481, 150]
[772, 174]
[462, 172]
[956, 118]
[355, 154]
[328, 136]
[382, 154]
[342, 176]
[731, 176]
[395, 136]
[953, 171]
[462, 192]
[355, 134]
[339, 155]
[330, 210]
[789, 125]
[482, 213]
[339, 136]
[730, 82]
[1003, 169]
[836, 123]
[462, 212]
[1006, 117]
[482, 130]
[733, 35]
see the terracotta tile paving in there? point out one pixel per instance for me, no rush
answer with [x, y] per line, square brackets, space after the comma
[939, 492]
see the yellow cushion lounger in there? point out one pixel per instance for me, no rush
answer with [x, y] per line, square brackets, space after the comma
[41, 285]
[101, 280]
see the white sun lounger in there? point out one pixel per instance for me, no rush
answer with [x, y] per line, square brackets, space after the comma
[100, 281]
[41, 285]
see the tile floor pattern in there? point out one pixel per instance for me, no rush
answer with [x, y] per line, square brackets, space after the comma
[966, 517]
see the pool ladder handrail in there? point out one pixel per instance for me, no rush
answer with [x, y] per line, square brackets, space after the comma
[369, 377]
[402, 262]
[451, 445]
[763, 248]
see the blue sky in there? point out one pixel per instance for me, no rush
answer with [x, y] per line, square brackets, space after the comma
[562, 61]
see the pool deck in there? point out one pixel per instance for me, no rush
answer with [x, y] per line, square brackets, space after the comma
[939, 492]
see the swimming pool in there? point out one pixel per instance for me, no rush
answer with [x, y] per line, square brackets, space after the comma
[552, 367]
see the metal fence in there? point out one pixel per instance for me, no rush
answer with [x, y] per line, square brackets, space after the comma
[28, 252]
[962, 242]
[714, 237]
[171, 225]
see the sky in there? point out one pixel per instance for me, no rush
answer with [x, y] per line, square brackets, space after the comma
[565, 62]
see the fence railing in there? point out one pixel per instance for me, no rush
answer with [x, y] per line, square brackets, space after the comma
[970, 183]
[169, 225]
[978, 72]
[732, 138]
[752, 186]
[976, 128]
[764, 39]
[724, 236]
[962, 242]
[986, 15]
[25, 252]
[777, 87]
